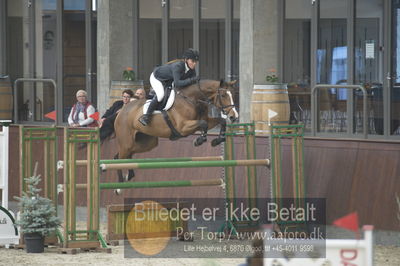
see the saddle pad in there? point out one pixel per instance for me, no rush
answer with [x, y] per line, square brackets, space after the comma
[168, 105]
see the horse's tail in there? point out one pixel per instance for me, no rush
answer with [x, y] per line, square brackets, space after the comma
[107, 129]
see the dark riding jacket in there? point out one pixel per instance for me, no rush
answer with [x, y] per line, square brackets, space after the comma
[175, 72]
[113, 109]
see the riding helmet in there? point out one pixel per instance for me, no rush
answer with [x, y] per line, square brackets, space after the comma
[191, 54]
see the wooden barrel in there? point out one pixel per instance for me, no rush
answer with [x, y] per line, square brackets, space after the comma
[122, 223]
[6, 99]
[118, 86]
[269, 99]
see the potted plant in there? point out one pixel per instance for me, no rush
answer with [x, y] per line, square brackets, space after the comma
[128, 81]
[271, 77]
[128, 74]
[38, 217]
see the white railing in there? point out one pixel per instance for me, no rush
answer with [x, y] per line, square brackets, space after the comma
[4, 163]
[358, 252]
[8, 233]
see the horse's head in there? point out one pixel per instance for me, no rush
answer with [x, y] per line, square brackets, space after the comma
[220, 93]
[224, 100]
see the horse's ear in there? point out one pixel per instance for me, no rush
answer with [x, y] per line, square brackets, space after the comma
[224, 84]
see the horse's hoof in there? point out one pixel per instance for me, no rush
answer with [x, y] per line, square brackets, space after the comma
[117, 191]
[200, 140]
[129, 177]
[217, 141]
[196, 143]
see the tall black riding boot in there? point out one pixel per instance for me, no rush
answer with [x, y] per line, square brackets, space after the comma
[145, 119]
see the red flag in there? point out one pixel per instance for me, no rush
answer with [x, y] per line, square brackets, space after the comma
[95, 116]
[349, 222]
[51, 115]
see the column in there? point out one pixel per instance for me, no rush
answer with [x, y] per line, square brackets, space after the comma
[258, 50]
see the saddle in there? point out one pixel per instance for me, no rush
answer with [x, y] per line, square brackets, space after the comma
[163, 107]
[165, 104]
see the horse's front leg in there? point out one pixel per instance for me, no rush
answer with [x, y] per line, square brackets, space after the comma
[192, 126]
[221, 135]
[203, 126]
[129, 175]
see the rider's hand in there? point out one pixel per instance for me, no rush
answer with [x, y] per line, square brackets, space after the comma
[195, 79]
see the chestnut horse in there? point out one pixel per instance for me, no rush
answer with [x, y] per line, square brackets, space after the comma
[189, 113]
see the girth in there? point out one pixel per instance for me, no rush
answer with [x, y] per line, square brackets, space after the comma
[174, 133]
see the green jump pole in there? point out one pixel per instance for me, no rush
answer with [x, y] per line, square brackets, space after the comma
[156, 165]
[156, 184]
[153, 160]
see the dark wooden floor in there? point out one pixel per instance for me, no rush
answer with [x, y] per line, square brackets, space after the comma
[353, 175]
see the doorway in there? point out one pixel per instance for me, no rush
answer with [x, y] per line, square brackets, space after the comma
[79, 52]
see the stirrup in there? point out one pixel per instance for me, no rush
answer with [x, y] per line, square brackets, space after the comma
[145, 119]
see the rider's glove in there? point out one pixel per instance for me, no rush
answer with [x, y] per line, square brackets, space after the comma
[195, 79]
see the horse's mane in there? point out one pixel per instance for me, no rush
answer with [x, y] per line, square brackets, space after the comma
[206, 86]
[175, 60]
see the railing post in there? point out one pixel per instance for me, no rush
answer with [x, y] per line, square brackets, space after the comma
[57, 108]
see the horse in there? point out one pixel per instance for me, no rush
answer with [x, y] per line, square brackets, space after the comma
[188, 114]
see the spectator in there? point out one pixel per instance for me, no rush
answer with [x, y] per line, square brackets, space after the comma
[81, 112]
[117, 105]
[108, 119]
[140, 94]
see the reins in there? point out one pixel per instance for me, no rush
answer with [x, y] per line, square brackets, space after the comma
[207, 101]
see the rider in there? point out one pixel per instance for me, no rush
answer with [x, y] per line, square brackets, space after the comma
[179, 72]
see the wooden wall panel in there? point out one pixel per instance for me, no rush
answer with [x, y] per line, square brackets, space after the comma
[360, 176]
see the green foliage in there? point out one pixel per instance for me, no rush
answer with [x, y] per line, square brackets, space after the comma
[271, 76]
[128, 74]
[38, 214]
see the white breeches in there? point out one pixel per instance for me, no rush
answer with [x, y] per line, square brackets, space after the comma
[157, 87]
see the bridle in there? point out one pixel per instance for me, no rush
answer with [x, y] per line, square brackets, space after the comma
[222, 106]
